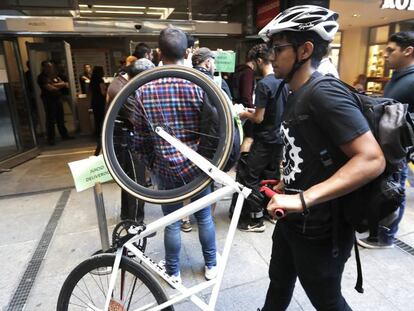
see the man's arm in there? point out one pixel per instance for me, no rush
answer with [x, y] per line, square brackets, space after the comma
[366, 162]
[254, 115]
[246, 88]
[56, 86]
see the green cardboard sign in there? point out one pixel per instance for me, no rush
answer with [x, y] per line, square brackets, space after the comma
[87, 172]
[225, 61]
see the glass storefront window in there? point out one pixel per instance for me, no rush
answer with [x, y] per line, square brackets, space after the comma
[8, 144]
[379, 34]
[16, 130]
[335, 49]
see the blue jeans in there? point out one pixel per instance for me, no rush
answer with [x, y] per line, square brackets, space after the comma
[172, 233]
[387, 235]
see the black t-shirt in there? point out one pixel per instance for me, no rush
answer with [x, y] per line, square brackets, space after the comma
[334, 111]
[43, 80]
[268, 131]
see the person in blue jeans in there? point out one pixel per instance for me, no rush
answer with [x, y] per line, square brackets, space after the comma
[182, 104]
[206, 235]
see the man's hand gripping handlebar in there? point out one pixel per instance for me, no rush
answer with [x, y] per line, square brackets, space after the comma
[266, 188]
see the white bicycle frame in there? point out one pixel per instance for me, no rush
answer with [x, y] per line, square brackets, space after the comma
[230, 187]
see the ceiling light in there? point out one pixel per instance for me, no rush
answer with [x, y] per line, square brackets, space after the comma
[83, 5]
[86, 11]
[119, 12]
[119, 7]
[356, 15]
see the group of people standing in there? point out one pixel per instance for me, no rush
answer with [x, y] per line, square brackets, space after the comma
[312, 241]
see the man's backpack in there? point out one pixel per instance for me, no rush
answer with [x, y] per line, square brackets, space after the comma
[393, 128]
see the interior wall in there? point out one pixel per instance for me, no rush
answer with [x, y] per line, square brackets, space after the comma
[353, 53]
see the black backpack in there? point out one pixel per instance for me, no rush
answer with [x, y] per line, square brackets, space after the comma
[393, 128]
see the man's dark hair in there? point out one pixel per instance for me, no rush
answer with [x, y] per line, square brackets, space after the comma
[403, 39]
[261, 51]
[141, 49]
[172, 43]
[320, 46]
[190, 40]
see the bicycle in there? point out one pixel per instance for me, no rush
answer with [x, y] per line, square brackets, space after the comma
[100, 273]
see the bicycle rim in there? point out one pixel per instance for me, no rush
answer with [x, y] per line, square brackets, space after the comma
[86, 286]
[221, 154]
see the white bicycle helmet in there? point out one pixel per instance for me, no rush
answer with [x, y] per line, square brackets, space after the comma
[303, 18]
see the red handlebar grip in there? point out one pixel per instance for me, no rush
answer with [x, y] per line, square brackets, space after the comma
[279, 212]
[270, 182]
[267, 191]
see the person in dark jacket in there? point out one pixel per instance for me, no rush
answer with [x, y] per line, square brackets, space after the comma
[400, 57]
[97, 89]
[266, 151]
[51, 85]
[203, 60]
[85, 78]
[131, 208]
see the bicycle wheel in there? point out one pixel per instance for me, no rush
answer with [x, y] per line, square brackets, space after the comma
[123, 107]
[86, 286]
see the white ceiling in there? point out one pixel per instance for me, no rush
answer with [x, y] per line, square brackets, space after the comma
[369, 13]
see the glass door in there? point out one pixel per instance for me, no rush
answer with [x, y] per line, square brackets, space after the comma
[16, 124]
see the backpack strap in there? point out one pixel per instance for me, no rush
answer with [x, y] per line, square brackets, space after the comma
[319, 148]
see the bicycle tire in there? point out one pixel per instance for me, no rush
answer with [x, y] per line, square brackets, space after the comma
[106, 261]
[219, 160]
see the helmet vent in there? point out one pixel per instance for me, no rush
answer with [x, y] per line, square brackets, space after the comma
[309, 19]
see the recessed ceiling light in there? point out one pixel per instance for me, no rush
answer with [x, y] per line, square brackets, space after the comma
[118, 7]
[120, 12]
[356, 15]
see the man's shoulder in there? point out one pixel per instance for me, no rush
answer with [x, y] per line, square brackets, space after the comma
[171, 85]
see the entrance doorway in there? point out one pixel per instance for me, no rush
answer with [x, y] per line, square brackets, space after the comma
[60, 55]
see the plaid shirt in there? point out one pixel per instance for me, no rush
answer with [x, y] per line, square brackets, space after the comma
[175, 104]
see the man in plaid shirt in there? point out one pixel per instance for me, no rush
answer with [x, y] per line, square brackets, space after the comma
[175, 104]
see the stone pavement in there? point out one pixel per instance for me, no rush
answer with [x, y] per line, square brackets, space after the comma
[30, 193]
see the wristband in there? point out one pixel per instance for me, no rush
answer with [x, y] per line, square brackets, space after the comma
[305, 211]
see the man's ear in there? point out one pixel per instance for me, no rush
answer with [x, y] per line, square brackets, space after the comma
[305, 50]
[161, 56]
[409, 51]
[187, 52]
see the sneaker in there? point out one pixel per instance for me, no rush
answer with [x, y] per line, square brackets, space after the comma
[174, 278]
[186, 226]
[373, 243]
[252, 226]
[161, 264]
[211, 273]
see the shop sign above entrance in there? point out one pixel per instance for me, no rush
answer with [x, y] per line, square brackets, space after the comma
[398, 5]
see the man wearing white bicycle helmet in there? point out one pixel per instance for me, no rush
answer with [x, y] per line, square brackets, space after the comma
[313, 242]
